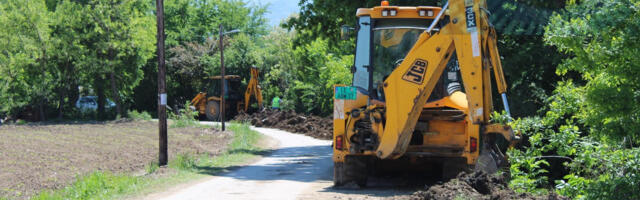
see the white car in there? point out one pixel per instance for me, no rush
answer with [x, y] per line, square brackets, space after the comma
[87, 103]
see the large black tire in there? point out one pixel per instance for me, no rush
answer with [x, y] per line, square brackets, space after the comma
[354, 169]
[339, 178]
[213, 111]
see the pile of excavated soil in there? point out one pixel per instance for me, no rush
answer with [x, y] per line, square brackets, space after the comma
[314, 126]
[477, 185]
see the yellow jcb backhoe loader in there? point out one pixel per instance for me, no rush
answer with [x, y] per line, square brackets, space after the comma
[208, 103]
[421, 93]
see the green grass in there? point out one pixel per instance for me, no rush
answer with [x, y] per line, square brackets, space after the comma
[105, 185]
[185, 118]
[97, 185]
[182, 121]
[151, 167]
[145, 116]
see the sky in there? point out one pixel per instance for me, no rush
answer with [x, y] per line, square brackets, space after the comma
[279, 9]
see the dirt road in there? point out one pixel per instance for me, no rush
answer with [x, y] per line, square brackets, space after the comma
[301, 168]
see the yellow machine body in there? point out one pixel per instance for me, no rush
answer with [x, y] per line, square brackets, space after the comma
[209, 105]
[403, 121]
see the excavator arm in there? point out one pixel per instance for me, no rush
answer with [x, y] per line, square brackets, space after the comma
[253, 89]
[468, 33]
[199, 102]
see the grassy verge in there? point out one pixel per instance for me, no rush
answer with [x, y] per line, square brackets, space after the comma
[105, 185]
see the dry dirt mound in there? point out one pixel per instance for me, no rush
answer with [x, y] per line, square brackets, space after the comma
[476, 185]
[314, 126]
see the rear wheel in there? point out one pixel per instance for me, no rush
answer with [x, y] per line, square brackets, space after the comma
[339, 178]
[354, 169]
[213, 110]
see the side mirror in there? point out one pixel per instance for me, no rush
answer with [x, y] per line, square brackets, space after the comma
[346, 32]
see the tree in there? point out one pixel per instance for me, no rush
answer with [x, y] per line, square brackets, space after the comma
[303, 75]
[528, 63]
[323, 19]
[69, 20]
[192, 52]
[196, 21]
[121, 41]
[23, 55]
[276, 62]
[602, 39]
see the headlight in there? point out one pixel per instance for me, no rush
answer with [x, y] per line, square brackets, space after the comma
[428, 13]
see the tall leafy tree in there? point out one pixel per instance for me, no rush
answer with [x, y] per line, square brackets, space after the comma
[68, 28]
[24, 80]
[324, 18]
[529, 64]
[192, 43]
[602, 38]
[121, 41]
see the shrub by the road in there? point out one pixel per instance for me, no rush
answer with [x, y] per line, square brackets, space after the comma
[144, 115]
[559, 153]
[185, 117]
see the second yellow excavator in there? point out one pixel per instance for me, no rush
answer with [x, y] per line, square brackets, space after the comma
[208, 103]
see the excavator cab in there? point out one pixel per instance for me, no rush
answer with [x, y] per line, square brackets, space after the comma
[232, 85]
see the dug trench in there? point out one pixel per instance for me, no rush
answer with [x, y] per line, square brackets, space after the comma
[393, 184]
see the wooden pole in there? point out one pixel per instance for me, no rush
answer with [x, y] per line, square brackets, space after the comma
[163, 156]
[223, 79]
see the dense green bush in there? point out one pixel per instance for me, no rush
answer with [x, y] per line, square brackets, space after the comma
[602, 37]
[593, 126]
[596, 167]
[601, 171]
[185, 117]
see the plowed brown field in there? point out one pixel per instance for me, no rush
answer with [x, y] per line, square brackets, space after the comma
[51, 156]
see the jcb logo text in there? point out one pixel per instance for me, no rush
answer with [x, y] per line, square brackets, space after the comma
[416, 72]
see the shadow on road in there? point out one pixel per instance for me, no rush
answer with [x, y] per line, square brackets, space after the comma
[303, 164]
[314, 164]
[388, 185]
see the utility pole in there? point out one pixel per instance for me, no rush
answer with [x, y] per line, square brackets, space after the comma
[163, 156]
[223, 79]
